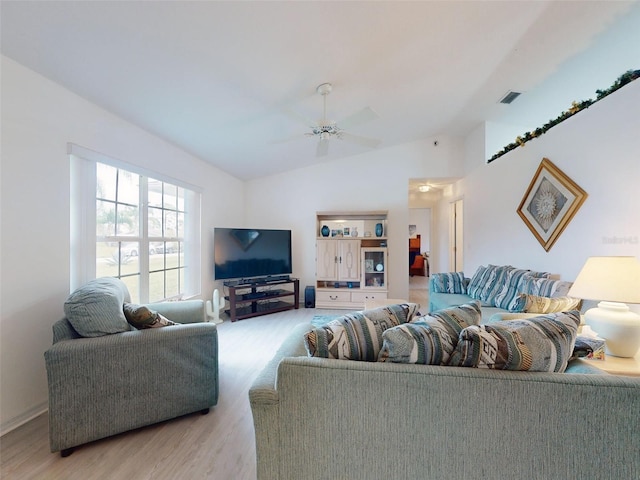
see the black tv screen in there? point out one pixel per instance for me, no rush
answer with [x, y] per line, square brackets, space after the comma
[251, 252]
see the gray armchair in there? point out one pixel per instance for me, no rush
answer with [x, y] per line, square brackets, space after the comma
[104, 385]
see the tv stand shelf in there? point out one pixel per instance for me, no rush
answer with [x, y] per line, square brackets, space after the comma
[260, 298]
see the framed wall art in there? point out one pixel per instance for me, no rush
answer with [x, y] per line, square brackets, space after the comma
[550, 203]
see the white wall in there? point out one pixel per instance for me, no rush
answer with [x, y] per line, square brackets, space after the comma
[598, 149]
[376, 180]
[38, 119]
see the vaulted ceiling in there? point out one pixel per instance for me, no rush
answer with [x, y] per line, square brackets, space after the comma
[227, 81]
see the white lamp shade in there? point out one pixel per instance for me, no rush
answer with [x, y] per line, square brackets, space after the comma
[612, 279]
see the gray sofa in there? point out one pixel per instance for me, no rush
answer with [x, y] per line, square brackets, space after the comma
[109, 384]
[319, 419]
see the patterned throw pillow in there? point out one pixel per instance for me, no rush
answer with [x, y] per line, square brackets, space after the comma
[535, 304]
[538, 344]
[431, 339]
[486, 284]
[511, 285]
[358, 335]
[141, 317]
[448, 282]
[477, 281]
[545, 287]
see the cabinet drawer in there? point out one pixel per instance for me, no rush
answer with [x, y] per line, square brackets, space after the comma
[361, 297]
[338, 296]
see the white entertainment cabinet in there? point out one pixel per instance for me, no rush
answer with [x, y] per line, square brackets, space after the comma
[352, 259]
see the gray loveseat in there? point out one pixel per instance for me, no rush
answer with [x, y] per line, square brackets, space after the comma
[320, 419]
[108, 384]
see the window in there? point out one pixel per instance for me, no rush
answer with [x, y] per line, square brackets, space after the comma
[143, 233]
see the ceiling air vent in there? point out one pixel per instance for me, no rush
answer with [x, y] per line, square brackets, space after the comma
[510, 97]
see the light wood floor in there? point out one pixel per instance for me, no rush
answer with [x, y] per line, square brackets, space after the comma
[419, 292]
[218, 446]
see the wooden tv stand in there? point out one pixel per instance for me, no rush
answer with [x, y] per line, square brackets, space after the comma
[261, 298]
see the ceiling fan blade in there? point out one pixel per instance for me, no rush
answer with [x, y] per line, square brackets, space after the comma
[364, 141]
[323, 148]
[289, 139]
[298, 118]
[358, 118]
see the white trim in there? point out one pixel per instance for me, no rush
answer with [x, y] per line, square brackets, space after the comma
[192, 243]
[83, 221]
[24, 418]
[87, 153]
[143, 280]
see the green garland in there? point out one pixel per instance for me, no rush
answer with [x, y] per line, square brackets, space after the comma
[576, 107]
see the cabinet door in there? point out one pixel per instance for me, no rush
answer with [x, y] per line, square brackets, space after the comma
[374, 268]
[348, 261]
[327, 260]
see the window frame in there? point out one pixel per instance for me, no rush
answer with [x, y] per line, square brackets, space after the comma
[84, 237]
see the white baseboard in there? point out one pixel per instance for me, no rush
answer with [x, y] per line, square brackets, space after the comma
[23, 418]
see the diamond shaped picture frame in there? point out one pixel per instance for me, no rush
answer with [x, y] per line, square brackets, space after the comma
[550, 203]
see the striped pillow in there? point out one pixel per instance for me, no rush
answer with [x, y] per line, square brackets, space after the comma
[538, 344]
[357, 335]
[477, 281]
[546, 287]
[486, 284]
[541, 287]
[448, 283]
[511, 286]
[428, 340]
[535, 304]
[508, 290]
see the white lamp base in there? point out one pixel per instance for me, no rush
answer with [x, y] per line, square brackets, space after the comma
[619, 326]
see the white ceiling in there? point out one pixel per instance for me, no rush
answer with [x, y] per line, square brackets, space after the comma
[225, 80]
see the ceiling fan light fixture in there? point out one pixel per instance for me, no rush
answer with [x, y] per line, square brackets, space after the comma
[324, 130]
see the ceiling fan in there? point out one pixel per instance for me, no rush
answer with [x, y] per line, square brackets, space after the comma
[325, 130]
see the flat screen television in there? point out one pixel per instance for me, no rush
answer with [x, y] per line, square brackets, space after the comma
[245, 253]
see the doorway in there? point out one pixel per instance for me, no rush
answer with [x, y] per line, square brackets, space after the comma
[419, 247]
[432, 195]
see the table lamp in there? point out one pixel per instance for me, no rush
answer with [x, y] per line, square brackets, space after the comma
[614, 281]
